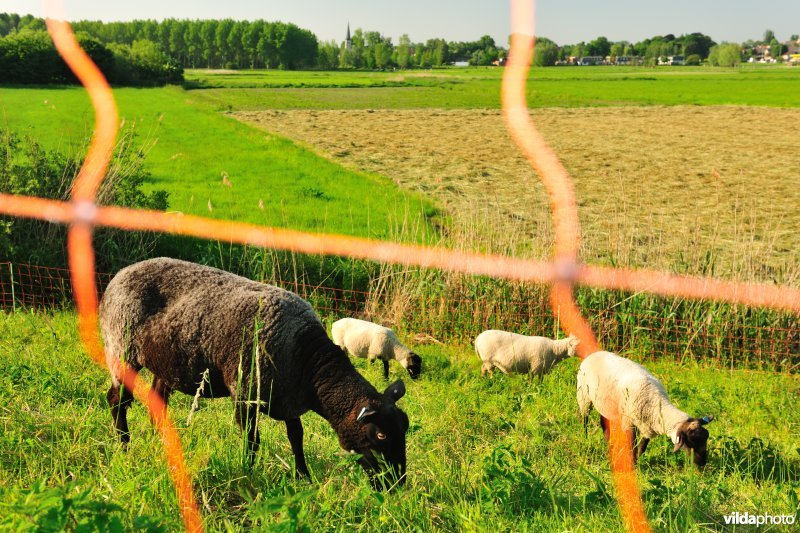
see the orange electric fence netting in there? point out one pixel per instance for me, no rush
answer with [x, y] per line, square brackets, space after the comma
[82, 214]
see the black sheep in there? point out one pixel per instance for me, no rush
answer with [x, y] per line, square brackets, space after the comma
[179, 319]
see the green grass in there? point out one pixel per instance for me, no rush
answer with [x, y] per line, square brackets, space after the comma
[192, 147]
[480, 88]
[501, 454]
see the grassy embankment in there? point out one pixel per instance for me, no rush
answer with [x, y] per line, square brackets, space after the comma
[214, 166]
[506, 453]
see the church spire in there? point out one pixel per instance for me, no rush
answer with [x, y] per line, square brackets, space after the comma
[348, 42]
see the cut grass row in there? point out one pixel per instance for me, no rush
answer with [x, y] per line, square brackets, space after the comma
[505, 454]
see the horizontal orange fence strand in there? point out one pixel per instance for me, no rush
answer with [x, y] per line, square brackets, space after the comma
[757, 294]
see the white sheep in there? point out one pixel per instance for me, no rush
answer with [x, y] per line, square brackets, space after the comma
[512, 352]
[616, 385]
[373, 341]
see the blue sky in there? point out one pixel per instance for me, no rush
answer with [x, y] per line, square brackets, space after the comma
[564, 21]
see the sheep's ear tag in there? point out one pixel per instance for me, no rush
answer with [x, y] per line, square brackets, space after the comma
[395, 391]
[678, 443]
[364, 414]
[706, 419]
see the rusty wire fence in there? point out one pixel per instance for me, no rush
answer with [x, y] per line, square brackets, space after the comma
[727, 338]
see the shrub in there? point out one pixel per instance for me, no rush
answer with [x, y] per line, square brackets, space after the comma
[29, 57]
[28, 169]
[693, 59]
[144, 63]
[725, 55]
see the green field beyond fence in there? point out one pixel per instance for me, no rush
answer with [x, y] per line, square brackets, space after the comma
[480, 88]
[213, 165]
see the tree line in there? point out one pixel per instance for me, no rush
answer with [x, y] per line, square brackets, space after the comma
[696, 46]
[144, 52]
[242, 44]
[28, 56]
[370, 49]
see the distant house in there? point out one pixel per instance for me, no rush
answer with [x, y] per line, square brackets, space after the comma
[460, 63]
[792, 54]
[762, 53]
[623, 60]
[591, 60]
[672, 60]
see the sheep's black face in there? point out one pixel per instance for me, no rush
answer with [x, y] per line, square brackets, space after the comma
[414, 365]
[382, 439]
[693, 436]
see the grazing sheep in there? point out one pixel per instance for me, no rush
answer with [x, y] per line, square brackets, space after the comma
[372, 341]
[511, 352]
[606, 380]
[179, 320]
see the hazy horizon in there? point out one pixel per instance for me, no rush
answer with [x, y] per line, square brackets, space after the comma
[565, 22]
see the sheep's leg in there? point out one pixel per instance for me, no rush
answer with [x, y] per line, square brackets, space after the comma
[385, 369]
[246, 418]
[606, 427]
[162, 389]
[119, 399]
[294, 430]
[634, 440]
[642, 447]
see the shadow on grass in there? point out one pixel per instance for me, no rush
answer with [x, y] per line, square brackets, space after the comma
[758, 460]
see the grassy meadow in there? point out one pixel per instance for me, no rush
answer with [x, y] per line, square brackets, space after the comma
[212, 165]
[501, 454]
[472, 88]
[692, 170]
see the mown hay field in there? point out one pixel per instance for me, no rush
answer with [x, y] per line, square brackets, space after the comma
[658, 187]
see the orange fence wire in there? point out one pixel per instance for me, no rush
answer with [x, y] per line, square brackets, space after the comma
[83, 215]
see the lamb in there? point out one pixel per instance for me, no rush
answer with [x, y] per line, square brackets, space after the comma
[607, 380]
[261, 345]
[511, 352]
[372, 341]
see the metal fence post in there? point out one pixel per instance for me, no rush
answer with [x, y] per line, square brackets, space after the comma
[13, 295]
